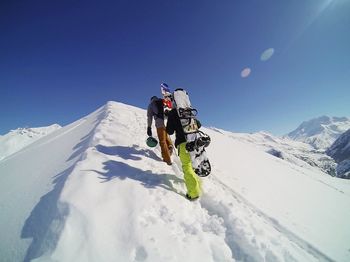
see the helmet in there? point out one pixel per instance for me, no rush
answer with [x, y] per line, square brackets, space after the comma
[164, 85]
[151, 141]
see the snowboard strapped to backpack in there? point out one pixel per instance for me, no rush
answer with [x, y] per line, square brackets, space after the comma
[196, 139]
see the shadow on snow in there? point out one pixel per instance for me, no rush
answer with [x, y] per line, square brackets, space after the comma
[47, 219]
[118, 170]
[127, 152]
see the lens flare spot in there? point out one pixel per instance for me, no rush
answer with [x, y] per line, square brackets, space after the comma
[267, 54]
[246, 72]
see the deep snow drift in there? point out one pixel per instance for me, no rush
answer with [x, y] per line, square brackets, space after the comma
[92, 191]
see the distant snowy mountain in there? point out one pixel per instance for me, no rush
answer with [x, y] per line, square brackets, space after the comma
[340, 151]
[320, 132]
[297, 153]
[93, 191]
[17, 139]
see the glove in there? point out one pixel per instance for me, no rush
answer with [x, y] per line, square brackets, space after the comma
[149, 131]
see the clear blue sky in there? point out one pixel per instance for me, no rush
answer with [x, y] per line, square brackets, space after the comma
[60, 60]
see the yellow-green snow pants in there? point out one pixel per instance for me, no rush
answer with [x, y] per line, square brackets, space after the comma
[192, 181]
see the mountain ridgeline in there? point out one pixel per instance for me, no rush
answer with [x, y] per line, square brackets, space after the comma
[94, 191]
[320, 132]
[19, 138]
[321, 143]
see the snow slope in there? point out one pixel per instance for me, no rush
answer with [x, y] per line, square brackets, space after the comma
[321, 132]
[17, 139]
[92, 191]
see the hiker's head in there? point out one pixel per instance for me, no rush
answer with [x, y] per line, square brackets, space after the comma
[154, 98]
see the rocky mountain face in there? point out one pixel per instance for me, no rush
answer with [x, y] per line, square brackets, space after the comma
[340, 152]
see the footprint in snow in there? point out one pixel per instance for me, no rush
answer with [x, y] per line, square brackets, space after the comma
[140, 254]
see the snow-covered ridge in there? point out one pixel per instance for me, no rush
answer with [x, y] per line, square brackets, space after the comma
[321, 132]
[93, 191]
[19, 138]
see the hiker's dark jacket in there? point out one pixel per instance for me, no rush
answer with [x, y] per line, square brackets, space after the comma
[174, 125]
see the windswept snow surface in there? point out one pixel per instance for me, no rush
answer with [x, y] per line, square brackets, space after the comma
[92, 191]
[17, 139]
